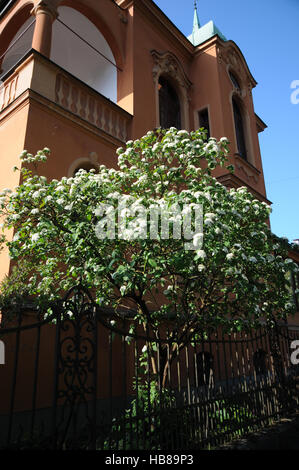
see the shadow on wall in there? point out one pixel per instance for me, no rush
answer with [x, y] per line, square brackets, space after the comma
[77, 46]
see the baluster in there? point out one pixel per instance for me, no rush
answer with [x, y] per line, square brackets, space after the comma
[111, 116]
[6, 95]
[58, 89]
[91, 116]
[103, 120]
[65, 93]
[14, 88]
[83, 100]
[74, 94]
[117, 129]
[1, 97]
[124, 130]
[98, 115]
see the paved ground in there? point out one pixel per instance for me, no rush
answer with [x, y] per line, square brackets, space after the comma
[283, 435]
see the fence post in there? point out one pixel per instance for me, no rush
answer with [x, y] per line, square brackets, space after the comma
[280, 378]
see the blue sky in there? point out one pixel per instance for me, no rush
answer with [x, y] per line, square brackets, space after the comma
[267, 33]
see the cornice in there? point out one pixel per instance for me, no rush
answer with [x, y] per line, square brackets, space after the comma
[207, 45]
[230, 54]
[261, 126]
[29, 96]
[14, 107]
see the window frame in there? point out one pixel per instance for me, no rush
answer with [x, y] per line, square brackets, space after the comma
[240, 128]
[208, 129]
[179, 118]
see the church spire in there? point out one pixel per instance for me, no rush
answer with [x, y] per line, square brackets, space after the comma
[200, 33]
[196, 23]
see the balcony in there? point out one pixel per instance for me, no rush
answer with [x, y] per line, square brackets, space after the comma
[64, 93]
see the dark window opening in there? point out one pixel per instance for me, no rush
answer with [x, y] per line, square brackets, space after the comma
[86, 167]
[239, 128]
[204, 121]
[169, 104]
[204, 366]
[235, 81]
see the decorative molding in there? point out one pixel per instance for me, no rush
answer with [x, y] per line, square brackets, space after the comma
[249, 85]
[80, 101]
[92, 160]
[229, 55]
[166, 63]
[8, 92]
[46, 8]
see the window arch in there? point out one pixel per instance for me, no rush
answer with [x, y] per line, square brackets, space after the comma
[17, 48]
[81, 59]
[168, 67]
[83, 163]
[169, 105]
[86, 167]
[239, 128]
[235, 81]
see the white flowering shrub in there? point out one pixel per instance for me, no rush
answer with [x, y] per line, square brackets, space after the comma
[236, 277]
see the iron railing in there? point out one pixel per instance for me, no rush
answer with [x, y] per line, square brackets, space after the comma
[75, 379]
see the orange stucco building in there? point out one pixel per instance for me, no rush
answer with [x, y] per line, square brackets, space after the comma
[82, 77]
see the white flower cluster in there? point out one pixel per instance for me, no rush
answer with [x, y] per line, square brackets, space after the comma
[41, 156]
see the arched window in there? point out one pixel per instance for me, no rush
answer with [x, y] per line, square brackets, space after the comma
[19, 45]
[169, 105]
[239, 129]
[85, 166]
[84, 58]
[235, 81]
[204, 366]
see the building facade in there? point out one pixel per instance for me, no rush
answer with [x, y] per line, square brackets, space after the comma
[83, 77]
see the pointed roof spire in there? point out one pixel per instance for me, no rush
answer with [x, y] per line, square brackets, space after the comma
[200, 33]
[196, 23]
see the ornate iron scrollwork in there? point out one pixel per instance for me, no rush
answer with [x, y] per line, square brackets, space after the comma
[76, 368]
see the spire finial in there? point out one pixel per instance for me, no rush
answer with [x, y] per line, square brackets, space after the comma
[196, 24]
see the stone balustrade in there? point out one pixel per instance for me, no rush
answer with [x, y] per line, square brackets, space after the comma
[49, 81]
[80, 100]
[8, 92]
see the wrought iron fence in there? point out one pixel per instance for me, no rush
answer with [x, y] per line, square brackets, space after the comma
[76, 379]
